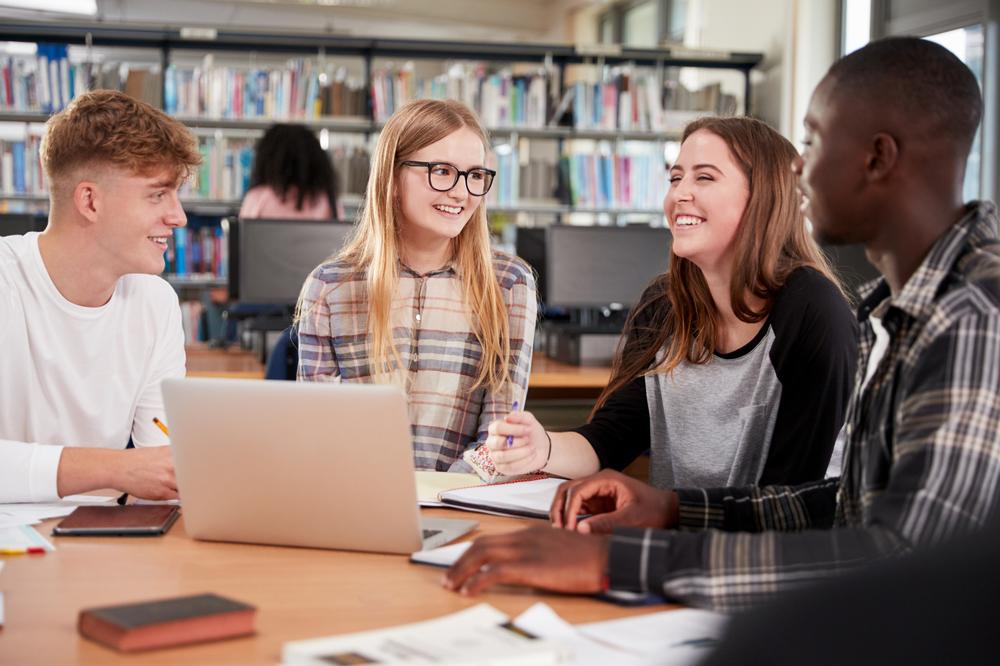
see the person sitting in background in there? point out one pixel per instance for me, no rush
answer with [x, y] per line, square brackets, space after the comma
[291, 178]
[738, 362]
[87, 329]
[888, 133]
[418, 298]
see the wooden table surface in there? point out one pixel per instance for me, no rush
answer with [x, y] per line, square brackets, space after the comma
[299, 593]
[549, 379]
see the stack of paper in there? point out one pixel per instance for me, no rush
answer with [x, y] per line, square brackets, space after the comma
[477, 635]
[12, 515]
[432, 484]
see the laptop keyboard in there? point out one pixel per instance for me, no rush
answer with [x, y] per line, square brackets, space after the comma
[429, 533]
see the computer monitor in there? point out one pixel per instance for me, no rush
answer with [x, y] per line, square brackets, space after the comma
[597, 266]
[15, 224]
[270, 259]
[530, 246]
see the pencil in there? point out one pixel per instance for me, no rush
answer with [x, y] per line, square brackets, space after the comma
[159, 424]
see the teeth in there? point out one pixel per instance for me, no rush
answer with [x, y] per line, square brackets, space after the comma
[162, 240]
[687, 220]
[454, 210]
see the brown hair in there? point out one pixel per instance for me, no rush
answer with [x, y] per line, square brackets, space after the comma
[109, 128]
[374, 246]
[677, 312]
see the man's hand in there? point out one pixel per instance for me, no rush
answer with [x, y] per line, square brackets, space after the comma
[538, 557]
[147, 473]
[613, 500]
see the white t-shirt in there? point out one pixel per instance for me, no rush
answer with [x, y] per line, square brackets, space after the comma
[77, 376]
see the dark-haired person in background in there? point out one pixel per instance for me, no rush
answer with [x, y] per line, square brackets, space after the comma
[889, 130]
[292, 177]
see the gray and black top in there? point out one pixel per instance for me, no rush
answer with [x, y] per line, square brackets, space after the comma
[767, 413]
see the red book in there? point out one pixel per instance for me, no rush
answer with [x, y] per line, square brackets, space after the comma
[167, 622]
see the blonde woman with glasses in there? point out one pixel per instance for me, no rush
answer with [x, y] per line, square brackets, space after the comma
[418, 298]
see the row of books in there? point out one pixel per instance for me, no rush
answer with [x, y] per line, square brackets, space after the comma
[627, 99]
[20, 167]
[303, 89]
[510, 97]
[48, 81]
[620, 180]
[201, 251]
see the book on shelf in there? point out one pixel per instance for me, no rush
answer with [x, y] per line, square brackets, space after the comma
[48, 80]
[514, 96]
[632, 177]
[636, 99]
[302, 89]
[20, 167]
[201, 251]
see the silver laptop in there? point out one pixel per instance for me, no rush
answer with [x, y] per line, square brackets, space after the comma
[299, 464]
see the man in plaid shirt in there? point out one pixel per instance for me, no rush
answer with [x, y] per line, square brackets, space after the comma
[888, 132]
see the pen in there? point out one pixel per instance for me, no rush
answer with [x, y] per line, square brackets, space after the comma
[32, 550]
[159, 424]
[510, 438]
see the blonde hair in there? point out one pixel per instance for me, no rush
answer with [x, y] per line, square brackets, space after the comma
[374, 246]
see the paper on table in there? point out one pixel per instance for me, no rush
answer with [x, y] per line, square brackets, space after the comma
[479, 635]
[521, 498]
[674, 637]
[1, 609]
[23, 536]
[445, 556]
[431, 484]
[540, 620]
[31, 513]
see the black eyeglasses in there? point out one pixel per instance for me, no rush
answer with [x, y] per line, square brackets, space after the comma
[442, 176]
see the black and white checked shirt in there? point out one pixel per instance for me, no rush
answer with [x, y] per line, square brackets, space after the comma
[922, 461]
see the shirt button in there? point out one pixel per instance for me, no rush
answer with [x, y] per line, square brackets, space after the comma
[418, 317]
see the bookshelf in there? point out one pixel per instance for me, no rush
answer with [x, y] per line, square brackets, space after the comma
[580, 134]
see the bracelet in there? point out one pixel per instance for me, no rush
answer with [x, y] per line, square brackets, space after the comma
[548, 456]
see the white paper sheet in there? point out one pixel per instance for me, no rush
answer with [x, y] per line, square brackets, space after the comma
[32, 513]
[23, 536]
[672, 638]
[445, 556]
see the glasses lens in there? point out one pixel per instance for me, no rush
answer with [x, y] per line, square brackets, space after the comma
[479, 181]
[443, 177]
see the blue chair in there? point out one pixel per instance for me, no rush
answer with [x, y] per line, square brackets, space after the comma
[283, 363]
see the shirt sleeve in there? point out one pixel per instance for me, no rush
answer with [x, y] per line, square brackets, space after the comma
[619, 431]
[944, 480]
[522, 312]
[169, 361]
[814, 357]
[28, 471]
[317, 360]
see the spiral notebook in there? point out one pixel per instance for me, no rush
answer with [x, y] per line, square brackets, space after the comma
[529, 498]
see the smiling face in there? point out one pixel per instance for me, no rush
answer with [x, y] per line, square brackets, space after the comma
[136, 215]
[708, 194]
[427, 215]
[831, 170]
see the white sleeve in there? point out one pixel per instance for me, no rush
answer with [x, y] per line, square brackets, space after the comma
[168, 361]
[28, 471]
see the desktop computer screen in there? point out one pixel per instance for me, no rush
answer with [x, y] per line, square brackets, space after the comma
[270, 259]
[597, 266]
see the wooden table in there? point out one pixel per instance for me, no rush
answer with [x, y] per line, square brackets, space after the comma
[549, 379]
[299, 593]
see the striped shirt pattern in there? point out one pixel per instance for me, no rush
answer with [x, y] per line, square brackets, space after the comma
[432, 330]
[922, 462]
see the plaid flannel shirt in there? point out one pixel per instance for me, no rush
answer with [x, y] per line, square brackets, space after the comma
[432, 330]
[922, 461]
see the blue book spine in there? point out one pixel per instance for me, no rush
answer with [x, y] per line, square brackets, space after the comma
[170, 91]
[17, 148]
[180, 251]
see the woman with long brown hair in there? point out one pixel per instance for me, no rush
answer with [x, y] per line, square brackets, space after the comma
[417, 297]
[737, 363]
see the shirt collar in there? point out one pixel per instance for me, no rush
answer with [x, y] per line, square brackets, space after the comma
[447, 269]
[978, 225]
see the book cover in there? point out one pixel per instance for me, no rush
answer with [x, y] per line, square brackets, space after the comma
[167, 622]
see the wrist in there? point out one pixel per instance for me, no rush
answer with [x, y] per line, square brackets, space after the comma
[548, 452]
[671, 509]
